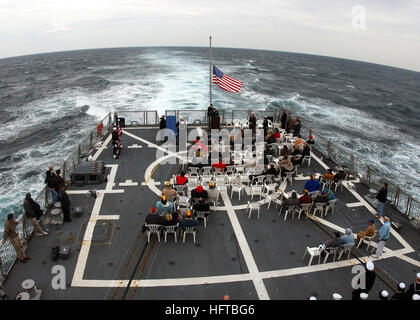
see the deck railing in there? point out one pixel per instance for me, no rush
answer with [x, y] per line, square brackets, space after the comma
[25, 227]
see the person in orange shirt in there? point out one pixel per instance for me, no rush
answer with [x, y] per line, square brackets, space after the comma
[100, 127]
[328, 175]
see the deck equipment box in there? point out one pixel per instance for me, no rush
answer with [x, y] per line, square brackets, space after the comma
[89, 172]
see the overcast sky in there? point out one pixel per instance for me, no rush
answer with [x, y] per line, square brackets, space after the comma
[390, 35]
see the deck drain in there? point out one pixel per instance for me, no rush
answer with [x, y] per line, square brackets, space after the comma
[257, 241]
[292, 253]
[102, 234]
[233, 259]
[121, 201]
[274, 220]
[171, 263]
[110, 264]
[43, 263]
[222, 224]
[307, 235]
[198, 245]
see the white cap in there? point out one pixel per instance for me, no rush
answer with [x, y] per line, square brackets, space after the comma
[363, 296]
[370, 266]
[418, 275]
[384, 293]
[416, 297]
[312, 298]
[401, 285]
[337, 296]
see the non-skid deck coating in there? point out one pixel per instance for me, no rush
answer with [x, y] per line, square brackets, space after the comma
[244, 258]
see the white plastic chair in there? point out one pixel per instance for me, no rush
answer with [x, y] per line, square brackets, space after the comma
[206, 171]
[153, 228]
[230, 170]
[289, 177]
[307, 159]
[339, 183]
[290, 210]
[259, 180]
[256, 189]
[304, 208]
[194, 171]
[330, 205]
[202, 215]
[319, 207]
[237, 189]
[270, 187]
[253, 206]
[260, 124]
[329, 251]
[189, 230]
[346, 248]
[183, 201]
[180, 190]
[170, 229]
[236, 123]
[244, 123]
[314, 252]
[244, 179]
[368, 240]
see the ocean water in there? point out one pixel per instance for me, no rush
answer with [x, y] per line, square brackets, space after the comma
[370, 110]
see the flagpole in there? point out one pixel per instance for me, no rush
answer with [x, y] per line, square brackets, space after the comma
[210, 73]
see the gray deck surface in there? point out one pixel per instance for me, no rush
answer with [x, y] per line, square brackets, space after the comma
[119, 250]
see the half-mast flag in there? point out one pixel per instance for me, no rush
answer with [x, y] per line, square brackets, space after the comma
[225, 82]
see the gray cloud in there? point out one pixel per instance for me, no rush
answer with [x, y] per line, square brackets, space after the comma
[392, 34]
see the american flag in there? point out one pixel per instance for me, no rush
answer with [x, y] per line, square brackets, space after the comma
[225, 82]
[119, 131]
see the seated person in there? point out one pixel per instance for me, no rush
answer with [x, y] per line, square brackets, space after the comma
[330, 195]
[296, 150]
[169, 220]
[199, 192]
[164, 206]
[188, 221]
[347, 238]
[284, 151]
[212, 193]
[181, 179]
[270, 138]
[296, 161]
[340, 175]
[334, 242]
[169, 192]
[369, 232]
[328, 175]
[151, 218]
[292, 201]
[305, 198]
[219, 164]
[271, 170]
[298, 140]
[312, 184]
[201, 205]
[306, 150]
[285, 165]
[321, 198]
[197, 140]
[277, 134]
[310, 140]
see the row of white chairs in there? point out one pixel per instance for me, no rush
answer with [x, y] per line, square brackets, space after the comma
[157, 228]
[317, 252]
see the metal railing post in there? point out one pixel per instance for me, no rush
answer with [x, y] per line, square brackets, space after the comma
[368, 174]
[79, 153]
[24, 228]
[397, 196]
[310, 131]
[408, 207]
[352, 164]
[329, 149]
[64, 170]
[90, 140]
[46, 197]
[109, 121]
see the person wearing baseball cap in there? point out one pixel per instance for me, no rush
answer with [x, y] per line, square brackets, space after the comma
[169, 192]
[151, 218]
[348, 237]
[369, 232]
[199, 192]
[188, 221]
[310, 140]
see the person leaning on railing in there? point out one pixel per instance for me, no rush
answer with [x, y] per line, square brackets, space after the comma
[10, 232]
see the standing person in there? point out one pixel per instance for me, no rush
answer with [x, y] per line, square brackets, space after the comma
[265, 126]
[414, 288]
[383, 237]
[381, 196]
[296, 127]
[10, 232]
[65, 203]
[30, 214]
[162, 126]
[289, 122]
[400, 294]
[49, 180]
[252, 122]
[283, 119]
[58, 180]
[99, 129]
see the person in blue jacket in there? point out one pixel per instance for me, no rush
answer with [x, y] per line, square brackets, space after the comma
[312, 184]
[383, 237]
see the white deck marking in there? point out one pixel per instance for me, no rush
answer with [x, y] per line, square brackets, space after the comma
[355, 204]
[246, 251]
[87, 239]
[128, 183]
[409, 260]
[254, 275]
[151, 181]
[367, 206]
[134, 146]
[88, 191]
[98, 153]
[301, 177]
